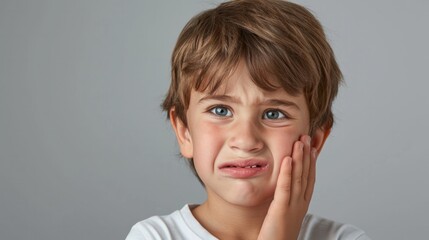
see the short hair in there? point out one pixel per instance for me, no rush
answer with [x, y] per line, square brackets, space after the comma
[276, 39]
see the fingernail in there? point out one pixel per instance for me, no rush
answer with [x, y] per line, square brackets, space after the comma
[308, 140]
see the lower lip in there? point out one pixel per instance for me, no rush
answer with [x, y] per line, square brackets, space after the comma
[243, 172]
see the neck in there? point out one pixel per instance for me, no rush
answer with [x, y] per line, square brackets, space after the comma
[225, 220]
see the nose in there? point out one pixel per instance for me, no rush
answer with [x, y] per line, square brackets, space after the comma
[246, 137]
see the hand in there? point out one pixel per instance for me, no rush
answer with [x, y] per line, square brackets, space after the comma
[292, 195]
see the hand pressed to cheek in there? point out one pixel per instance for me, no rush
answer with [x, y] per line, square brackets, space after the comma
[293, 192]
[300, 175]
[303, 169]
[304, 157]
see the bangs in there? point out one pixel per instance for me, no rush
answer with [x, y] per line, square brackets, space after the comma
[221, 44]
[268, 69]
[281, 43]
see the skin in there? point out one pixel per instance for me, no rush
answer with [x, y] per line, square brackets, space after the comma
[243, 122]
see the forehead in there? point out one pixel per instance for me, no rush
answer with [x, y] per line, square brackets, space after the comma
[223, 77]
[241, 83]
[239, 88]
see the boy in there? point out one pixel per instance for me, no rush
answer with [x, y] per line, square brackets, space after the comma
[250, 102]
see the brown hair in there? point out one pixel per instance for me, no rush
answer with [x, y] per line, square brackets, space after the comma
[276, 39]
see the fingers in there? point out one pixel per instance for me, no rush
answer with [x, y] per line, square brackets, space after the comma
[306, 161]
[284, 182]
[295, 184]
[312, 176]
[297, 174]
[297, 169]
[303, 171]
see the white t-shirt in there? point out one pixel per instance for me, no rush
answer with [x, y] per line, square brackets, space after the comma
[181, 224]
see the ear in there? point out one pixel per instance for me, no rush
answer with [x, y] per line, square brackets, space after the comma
[182, 134]
[319, 137]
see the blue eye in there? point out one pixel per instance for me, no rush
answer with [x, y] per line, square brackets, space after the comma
[221, 111]
[273, 115]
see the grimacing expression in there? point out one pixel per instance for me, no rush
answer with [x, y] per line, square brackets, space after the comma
[239, 135]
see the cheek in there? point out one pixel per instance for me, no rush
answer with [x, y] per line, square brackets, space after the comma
[282, 141]
[207, 142]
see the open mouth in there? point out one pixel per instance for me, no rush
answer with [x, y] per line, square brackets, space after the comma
[243, 169]
[244, 164]
[249, 166]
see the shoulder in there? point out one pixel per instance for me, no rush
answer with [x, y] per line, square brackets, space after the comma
[314, 227]
[156, 227]
[151, 228]
[178, 225]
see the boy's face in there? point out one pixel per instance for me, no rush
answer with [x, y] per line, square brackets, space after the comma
[238, 137]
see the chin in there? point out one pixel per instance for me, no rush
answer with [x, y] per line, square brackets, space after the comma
[252, 202]
[250, 198]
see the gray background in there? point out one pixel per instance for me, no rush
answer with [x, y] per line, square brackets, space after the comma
[85, 151]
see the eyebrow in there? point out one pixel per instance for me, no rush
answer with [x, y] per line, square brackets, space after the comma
[219, 98]
[270, 102]
[280, 102]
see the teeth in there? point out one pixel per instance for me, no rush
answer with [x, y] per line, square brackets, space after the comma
[253, 166]
[249, 166]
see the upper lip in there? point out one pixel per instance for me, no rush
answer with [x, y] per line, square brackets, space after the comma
[244, 163]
